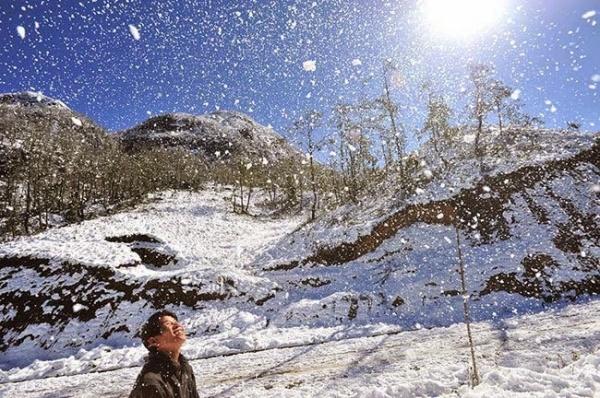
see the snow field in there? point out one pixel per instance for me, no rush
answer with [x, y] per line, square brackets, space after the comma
[552, 354]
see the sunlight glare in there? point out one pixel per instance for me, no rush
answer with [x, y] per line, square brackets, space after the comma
[461, 18]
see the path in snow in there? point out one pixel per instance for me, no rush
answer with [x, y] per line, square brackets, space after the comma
[521, 357]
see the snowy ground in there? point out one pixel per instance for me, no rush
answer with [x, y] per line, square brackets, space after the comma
[322, 332]
[551, 354]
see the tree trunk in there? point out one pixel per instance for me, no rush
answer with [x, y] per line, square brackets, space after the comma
[313, 210]
[461, 269]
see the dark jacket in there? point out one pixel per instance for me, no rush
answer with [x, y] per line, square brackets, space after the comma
[162, 378]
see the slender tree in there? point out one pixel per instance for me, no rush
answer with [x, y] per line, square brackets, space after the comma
[500, 94]
[391, 109]
[482, 104]
[305, 126]
[474, 374]
[437, 124]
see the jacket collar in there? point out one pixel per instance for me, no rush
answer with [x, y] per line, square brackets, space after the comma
[162, 361]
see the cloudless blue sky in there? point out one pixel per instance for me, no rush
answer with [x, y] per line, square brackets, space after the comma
[196, 56]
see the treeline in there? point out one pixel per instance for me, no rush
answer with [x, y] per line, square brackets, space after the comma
[364, 143]
[56, 171]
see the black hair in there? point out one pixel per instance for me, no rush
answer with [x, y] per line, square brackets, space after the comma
[152, 327]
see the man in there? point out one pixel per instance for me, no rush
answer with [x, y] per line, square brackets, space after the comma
[166, 373]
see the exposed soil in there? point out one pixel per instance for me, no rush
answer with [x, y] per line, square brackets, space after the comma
[148, 248]
[133, 238]
[536, 281]
[62, 285]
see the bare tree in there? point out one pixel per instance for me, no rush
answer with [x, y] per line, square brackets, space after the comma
[437, 124]
[391, 108]
[474, 374]
[482, 104]
[500, 93]
[305, 126]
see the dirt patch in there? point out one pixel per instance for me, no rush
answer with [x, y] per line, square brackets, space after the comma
[536, 281]
[152, 251]
[398, 301]
[153, 257]
[539, 264]
[133, 238]
[538, 211]
[451, 293]
[567, 240]
[57, 293]
[315, 282]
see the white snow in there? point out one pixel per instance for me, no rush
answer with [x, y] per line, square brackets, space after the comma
[78, 307]
[135, 33]
[588, 14]
[304, 328]
[551, 354]
[21, 31]
[309, 65]
[469, 138]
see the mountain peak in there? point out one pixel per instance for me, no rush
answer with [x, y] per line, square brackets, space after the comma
[219, 135]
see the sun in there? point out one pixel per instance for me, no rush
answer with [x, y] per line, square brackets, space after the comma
[461, 18]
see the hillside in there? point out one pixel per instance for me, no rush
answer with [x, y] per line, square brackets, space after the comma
[29, 116]
[219, 136]
[49, 159]
[528, 236]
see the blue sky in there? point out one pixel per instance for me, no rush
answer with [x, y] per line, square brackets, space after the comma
[196, 56]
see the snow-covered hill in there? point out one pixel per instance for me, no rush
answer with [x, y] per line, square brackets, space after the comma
[31, 112]
[35, 117]
[31, 99]
[222, 135]
[92, 283]
[528, 235]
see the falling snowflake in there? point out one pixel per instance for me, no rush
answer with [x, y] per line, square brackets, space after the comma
[309, 66]
[79, 307]
[469, 138]
[21, 32]
[134, 32]
[589, 14]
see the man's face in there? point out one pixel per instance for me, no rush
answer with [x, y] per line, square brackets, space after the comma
[172, 336]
